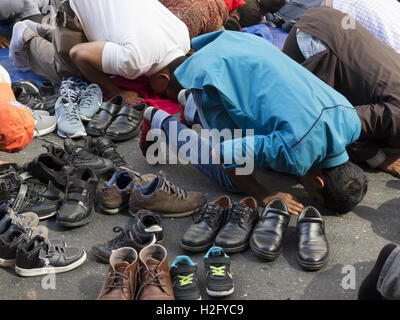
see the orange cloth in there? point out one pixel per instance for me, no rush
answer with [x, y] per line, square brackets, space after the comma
[234, 4]
[16, 122]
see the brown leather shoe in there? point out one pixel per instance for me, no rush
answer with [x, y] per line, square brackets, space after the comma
[115, 192]
[163, 197]
[155, 280]
[121, 277]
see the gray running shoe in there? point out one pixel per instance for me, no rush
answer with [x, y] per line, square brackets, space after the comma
[44, 123]
[68, 120]
[90, 102]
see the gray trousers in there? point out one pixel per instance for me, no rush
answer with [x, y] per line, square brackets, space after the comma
[12, 10]
[48, 50]
[389, 278]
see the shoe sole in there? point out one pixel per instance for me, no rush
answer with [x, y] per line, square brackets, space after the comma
[269, 256]
[237, 249]
[46, 270]
[78, 223]
[102, 259]
[7, 262]
[75, 135]
[132, 212]
[113, 210]
[220, 293]
[39, 133]
[311, 266]
[196, 249]
[125, 137]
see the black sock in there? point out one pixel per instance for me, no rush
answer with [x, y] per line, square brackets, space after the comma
[368, 289]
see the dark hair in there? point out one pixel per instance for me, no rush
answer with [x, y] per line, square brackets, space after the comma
[174, 84]
[345, 187]
[232, 24]
[271, 6]
[250, 14]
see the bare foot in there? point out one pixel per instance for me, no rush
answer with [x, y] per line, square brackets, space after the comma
[391, 165]
[131, 97]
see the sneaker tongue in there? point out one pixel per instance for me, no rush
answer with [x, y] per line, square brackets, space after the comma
[121, 266]
[150, 262]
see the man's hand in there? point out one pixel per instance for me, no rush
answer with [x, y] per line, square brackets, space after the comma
[4, 42]
[131, 97]
[294, 205]
[391, 165]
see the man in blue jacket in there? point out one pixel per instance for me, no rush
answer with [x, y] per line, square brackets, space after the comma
[301, 126]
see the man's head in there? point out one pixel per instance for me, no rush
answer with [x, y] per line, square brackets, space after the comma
[271, 6]
[250, 14]
[164, 82]
[339, 189]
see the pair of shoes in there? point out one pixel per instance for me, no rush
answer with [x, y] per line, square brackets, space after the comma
[163, 197]
[42, 98]
[222, 223]
[117, 120]
[78, 102]
[185, 280]
[266, 240]
[105, 148]
[145, 229]
[116, 192]
[12, 235]
[143, 276]
[21, 193]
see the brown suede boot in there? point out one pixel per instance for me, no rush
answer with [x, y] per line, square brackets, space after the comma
[121, 277]
[155, 280]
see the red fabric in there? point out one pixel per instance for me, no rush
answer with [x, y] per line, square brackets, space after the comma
[234, 4]
[141, 85]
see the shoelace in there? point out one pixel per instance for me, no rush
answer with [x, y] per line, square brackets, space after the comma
[208, 213]
[117, 281]
[153, 279]
[185, 280]
[172, 189]
[124, 235]
[238, 211]
[88, 98]
[70, 90]
[71, 113]
[218, 271]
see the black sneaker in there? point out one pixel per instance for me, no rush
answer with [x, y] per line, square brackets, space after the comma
[77, 208]
[40, 256]
[126, 238]
[235, 234]
[146, 223]
[184, 279]
[49, 93]
[219, 282]
[14, 234]
[82, 159]
[23, 194]
[28, 94]
[105, 148]
[207, 221]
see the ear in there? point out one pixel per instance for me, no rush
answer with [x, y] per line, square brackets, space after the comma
[318, 182]
[159, 81]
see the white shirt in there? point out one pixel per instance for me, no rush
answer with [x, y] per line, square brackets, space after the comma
[142, 36]
[379, 17]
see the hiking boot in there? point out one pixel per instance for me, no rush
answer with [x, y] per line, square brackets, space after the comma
[82, 159]
[90, 101]
[40, 256]
[121, 277]
[219, 282]
[127, 123]
[78, 206]
[164, 198]
[115, 193]
[105, 148]
[154, 278]
[185, 281]
[235, 234]
[207, 221]
[13, 235]
[128, 237]
[69, 122]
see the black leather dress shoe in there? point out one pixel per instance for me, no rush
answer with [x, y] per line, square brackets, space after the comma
[208, 221]
[266, 240]
[105, 116]
[127, 123]
[313, 249]
[236, 231]
[77, 208]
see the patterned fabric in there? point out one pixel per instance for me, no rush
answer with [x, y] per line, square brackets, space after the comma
[309, 45]
[380, 18]
[200, 16]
